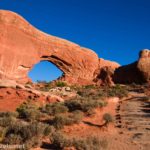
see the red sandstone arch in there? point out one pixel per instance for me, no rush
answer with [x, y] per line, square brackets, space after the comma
[22, 46]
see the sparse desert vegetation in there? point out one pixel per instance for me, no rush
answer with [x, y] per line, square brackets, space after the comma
[77, 122]
[91, 143]
[31, 123]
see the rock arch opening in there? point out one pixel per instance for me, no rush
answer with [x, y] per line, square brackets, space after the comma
[44, 71]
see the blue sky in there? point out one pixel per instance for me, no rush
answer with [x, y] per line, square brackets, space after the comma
[115, 29]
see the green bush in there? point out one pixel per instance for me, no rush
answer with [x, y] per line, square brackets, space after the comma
[28, 112]
[60, 141]
[90, 92]
[118, 91]
[89, 143]
[107, 117]
[60, 121]
[54, 108]
[22, 133]
[77, 116]
[34, 142]
[6, 121]
[8, 114]
[49, 130]
[2, 133]
[91, 104]
[13, 139]
[73, 105]
[61, 84]
[84, 104]
[85, 92]
[90, 87]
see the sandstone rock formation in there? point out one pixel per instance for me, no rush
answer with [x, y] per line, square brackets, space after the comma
[137, 72]
[22, 46]
[144, 64]
[104, 74]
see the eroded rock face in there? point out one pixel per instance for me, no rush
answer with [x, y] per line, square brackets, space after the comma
[22, 46]
[137, 72]
[143, 64]
[104, 74]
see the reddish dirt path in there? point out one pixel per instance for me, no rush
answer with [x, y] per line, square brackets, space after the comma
[133, 121]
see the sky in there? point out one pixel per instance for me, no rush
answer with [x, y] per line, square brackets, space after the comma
[115, 29]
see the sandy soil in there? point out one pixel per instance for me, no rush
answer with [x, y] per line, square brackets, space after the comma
[11, 98]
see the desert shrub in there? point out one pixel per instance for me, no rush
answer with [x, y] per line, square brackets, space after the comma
[26, 131]
[28, 112]
[54, 108]
[21, 133]
[93, 93]
[16, 129]
[89, 86]
[49, 130]
[90, 112]
[60, 141]
[85, 92]
[34, 142]
[101, 93]
[14, 134]
[8, 114]
[90, 143]
[91, 104]
[60, 121]
[107, 117]
[84, 104]
[13, 139]
[6, 121]
[32, 115]
[118, 91]
[61, 84]
[73, 105]
[2, 133]
[77, 116]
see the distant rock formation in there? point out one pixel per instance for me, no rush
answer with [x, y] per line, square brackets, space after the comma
[144, 64]
[104, 73]
[137, 72]
[22, 46]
